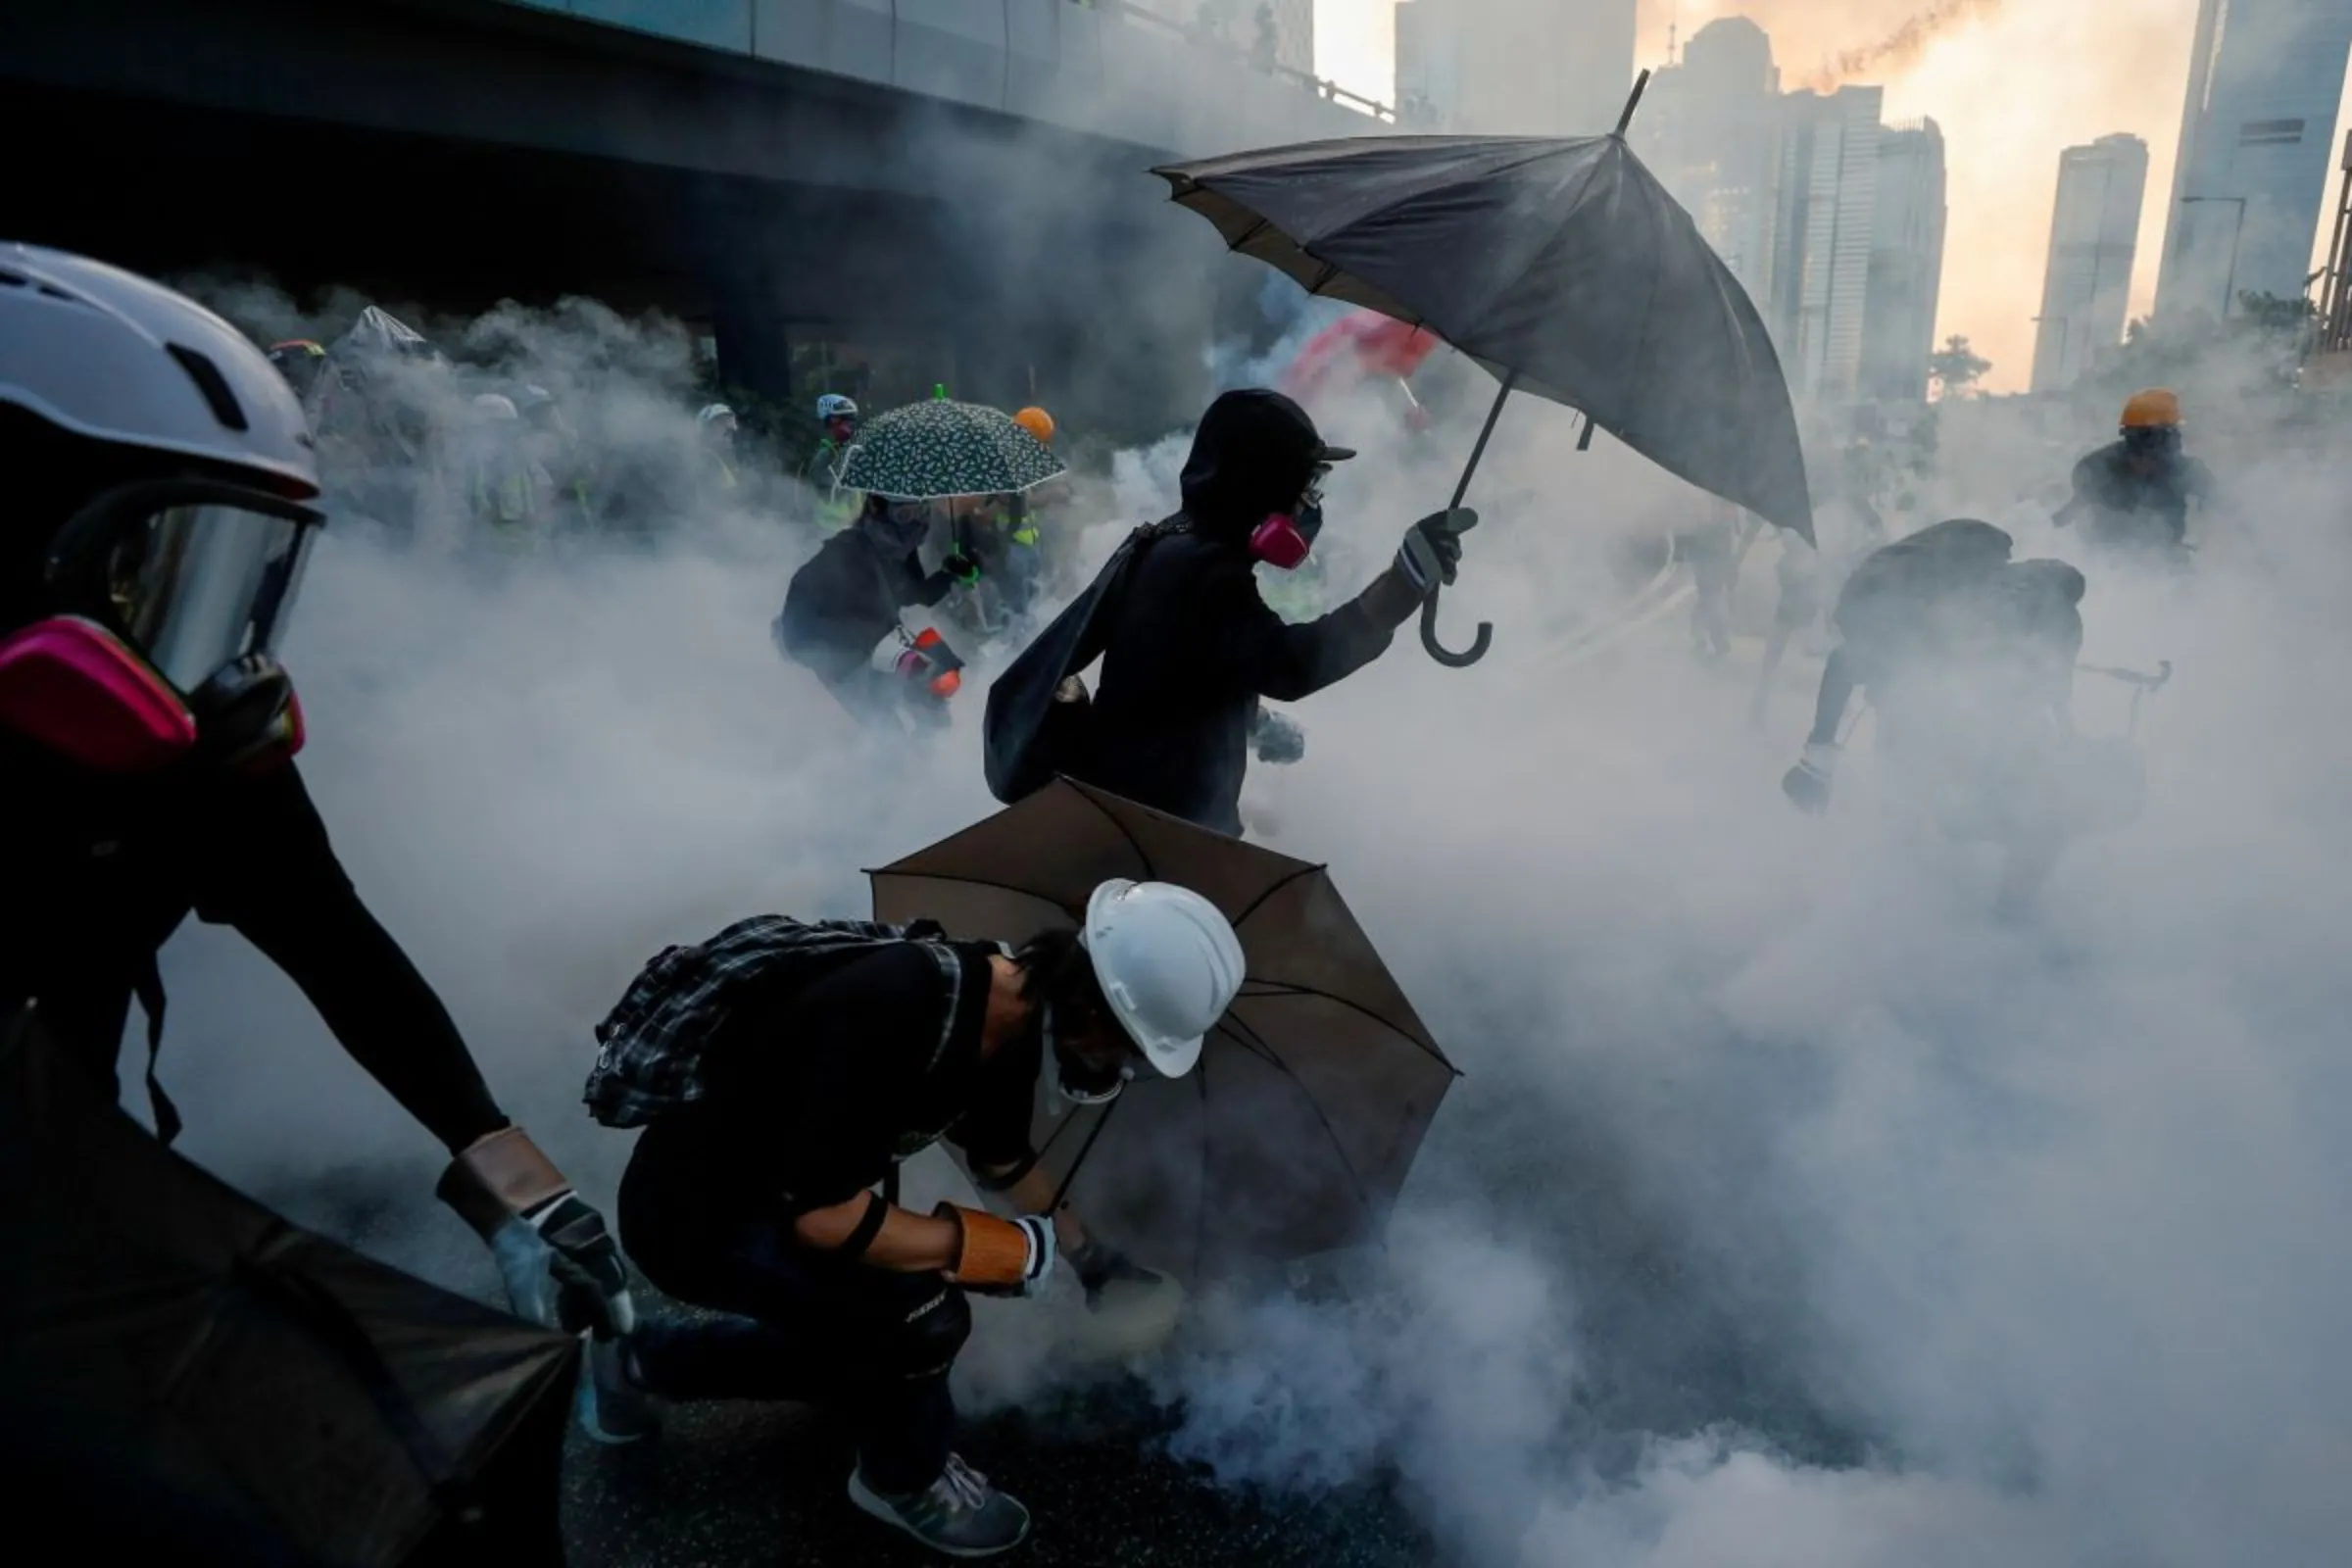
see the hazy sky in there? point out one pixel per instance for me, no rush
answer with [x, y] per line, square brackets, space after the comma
[2010, 83]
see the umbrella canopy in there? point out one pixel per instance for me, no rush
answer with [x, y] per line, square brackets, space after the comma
[177, 1362]
[931, 451]
[1559, 264]
[1295, 1133]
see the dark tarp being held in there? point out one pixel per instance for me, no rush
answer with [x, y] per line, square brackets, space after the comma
[182, 1371]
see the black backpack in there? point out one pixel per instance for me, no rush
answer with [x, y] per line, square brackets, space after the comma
[649, 1047]
[1885, 609]
[1030, 737]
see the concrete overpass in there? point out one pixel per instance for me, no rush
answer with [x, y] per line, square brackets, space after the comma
[969, 169]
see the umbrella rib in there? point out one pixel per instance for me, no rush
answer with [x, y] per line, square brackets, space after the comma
[1284, 881]
[1363, 1200]
[1283, 988]
[1200, 1209]
[1125, 832]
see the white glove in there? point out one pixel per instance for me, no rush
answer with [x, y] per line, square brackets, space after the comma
[1042, 1250]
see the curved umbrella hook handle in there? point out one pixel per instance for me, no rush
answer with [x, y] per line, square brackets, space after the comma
[1438, 651]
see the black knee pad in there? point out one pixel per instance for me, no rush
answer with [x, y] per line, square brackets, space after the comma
[925, 1343]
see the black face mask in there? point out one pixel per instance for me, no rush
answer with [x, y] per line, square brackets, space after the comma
[1075, 1079]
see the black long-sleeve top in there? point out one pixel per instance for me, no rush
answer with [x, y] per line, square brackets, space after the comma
[96, 875]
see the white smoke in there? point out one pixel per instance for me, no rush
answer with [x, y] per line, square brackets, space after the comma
[1791, 1208]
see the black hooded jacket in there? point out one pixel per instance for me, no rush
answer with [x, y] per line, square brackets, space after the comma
[1193, 647]
[847, 598]
[2129, 506]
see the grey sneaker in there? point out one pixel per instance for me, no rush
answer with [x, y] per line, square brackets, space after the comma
[610, 1404]
[960, 1514]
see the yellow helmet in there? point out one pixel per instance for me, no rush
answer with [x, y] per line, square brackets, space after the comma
[2154, 408]
[1038, 423]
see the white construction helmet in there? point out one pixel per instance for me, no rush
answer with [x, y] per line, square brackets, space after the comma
[109, 355]
[494, 406]
[1168, 963]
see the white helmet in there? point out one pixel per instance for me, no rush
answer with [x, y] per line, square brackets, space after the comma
[1168, 963]
[833, 406]
[494, 406]
[109, 355]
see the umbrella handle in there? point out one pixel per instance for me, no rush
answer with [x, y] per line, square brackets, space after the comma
[1429, 607]
[1479, 644]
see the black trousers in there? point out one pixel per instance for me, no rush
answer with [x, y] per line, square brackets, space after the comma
[872, 1345]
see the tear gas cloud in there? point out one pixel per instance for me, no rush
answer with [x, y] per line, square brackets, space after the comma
[1791, 1208]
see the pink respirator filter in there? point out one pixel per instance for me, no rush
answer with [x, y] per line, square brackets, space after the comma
[68, 686]
[1278, 543]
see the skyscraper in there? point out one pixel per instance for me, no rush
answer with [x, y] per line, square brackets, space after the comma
[1561, 67]
[1710, 129]
[1825, 233]
[2095, 234]
[2257, 136]
[1906, 265]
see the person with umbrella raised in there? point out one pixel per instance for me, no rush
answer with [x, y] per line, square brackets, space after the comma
[781, 1070]
[1190, 647]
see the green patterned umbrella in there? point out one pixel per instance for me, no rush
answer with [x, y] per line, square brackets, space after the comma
[930, 451]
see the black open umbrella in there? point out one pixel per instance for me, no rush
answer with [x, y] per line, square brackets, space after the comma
[1295, 1133]
[1559, 264]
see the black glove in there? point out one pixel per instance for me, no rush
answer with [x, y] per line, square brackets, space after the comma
[1807, 784]
[1098, 1263]
[962, 567]
[1431, 552]
[1278, 739]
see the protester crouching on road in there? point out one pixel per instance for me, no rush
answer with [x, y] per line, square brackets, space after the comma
[782, 1070]
[846, 599]
[1968, 660]
[1191, 648]
[158, 516]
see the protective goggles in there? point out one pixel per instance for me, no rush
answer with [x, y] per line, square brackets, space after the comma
[166, 604]
[193, 574]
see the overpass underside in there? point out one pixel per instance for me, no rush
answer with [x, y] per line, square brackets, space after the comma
[453, 155]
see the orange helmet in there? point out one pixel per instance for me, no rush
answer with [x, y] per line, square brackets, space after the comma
[1038, 423]
[2154, 408]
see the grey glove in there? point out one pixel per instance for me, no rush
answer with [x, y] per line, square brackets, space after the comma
[1278, 739]
[1431, 552]
[1807, 784]
[560, 1266]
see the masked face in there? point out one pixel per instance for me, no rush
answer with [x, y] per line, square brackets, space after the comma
[1091, 1059]
[901, 526]
[1308, 517]
[167, 603]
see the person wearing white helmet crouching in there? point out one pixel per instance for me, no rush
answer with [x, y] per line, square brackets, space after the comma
[783, 1070]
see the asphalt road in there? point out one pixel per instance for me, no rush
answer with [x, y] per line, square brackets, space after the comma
[740, 1484]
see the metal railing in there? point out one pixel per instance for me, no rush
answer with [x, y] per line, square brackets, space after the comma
[1201, 39]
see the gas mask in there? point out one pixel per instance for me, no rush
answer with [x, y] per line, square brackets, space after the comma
[901, 526]
[1285, 538]
[167, 601]
[1075, 1080]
